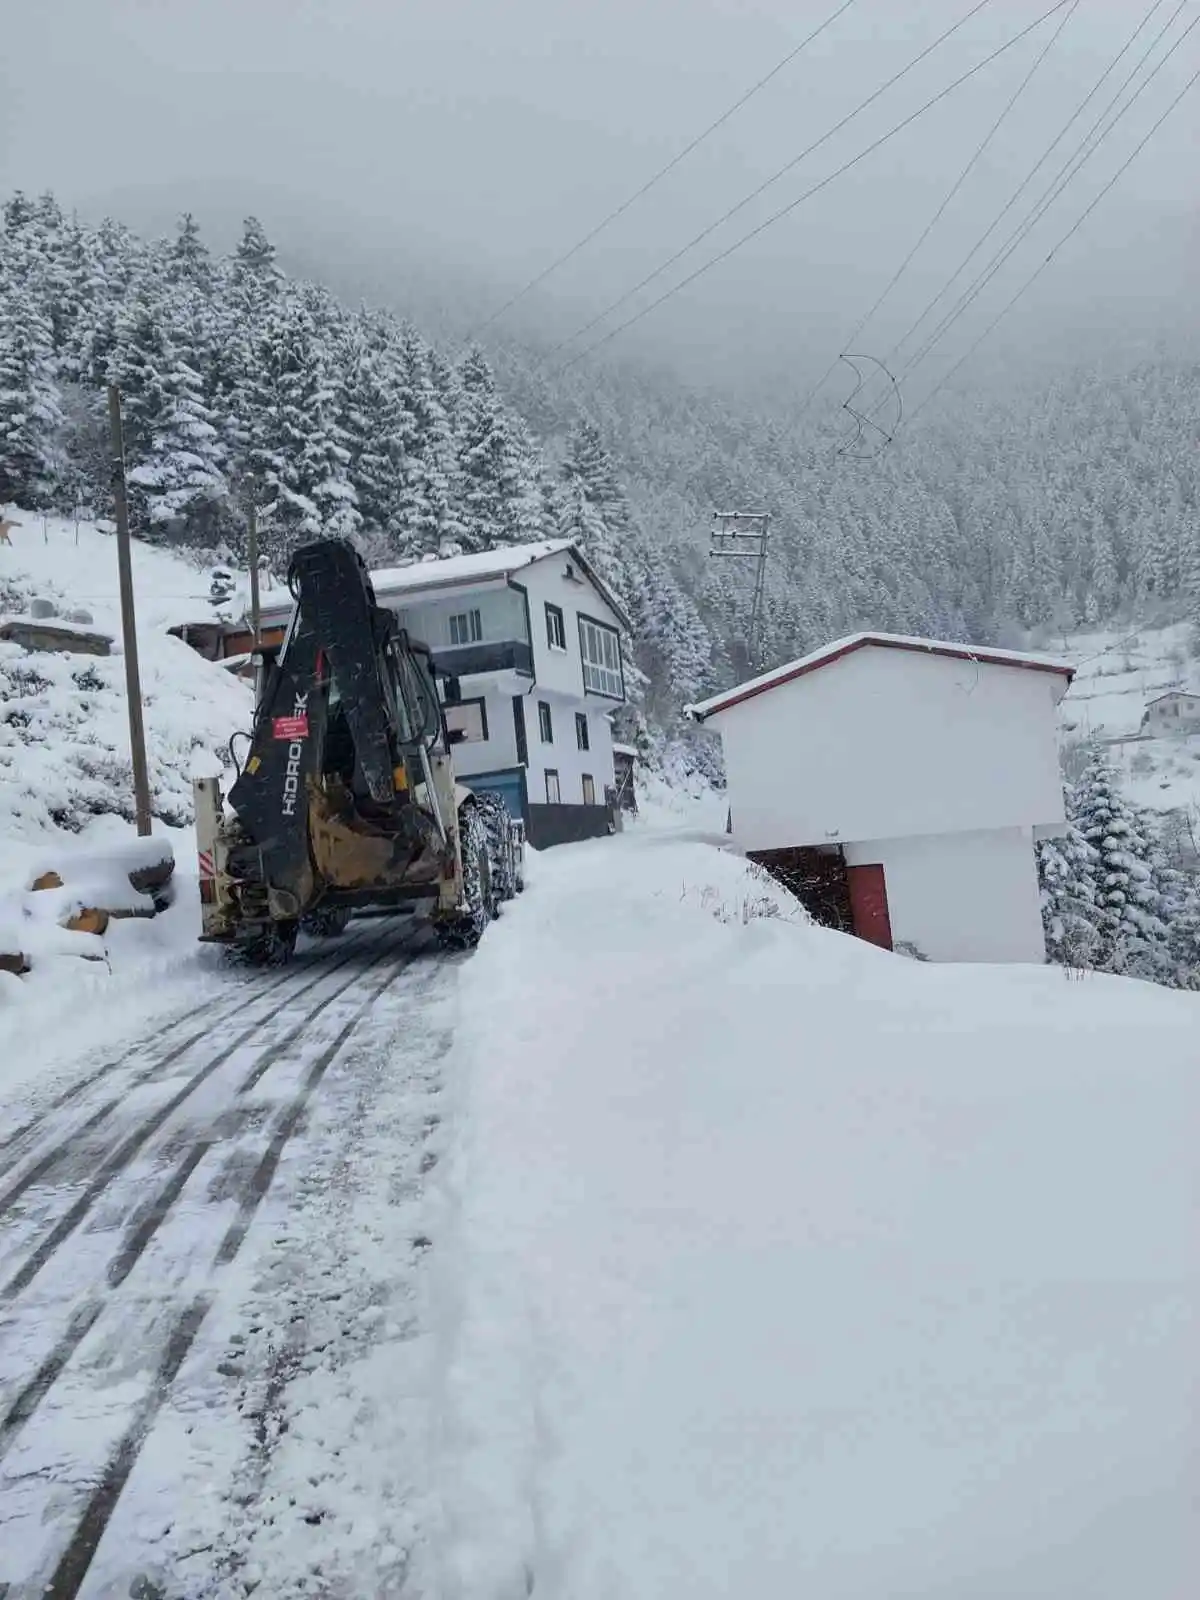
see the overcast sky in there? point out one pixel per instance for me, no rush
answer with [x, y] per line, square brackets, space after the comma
[482, 137]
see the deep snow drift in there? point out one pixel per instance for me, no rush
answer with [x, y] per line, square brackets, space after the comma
[774, 1265]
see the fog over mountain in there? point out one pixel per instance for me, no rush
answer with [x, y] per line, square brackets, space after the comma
[440, 153]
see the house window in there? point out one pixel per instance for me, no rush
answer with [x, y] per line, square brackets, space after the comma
[582, 737]
[589, 790]
[553, 794]
[468, 717]
[600, 647]
[556, 628]
[466, 627]
[545, 725]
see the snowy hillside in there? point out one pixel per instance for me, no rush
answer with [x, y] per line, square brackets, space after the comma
[1118, 673]
[64, 735]
[66, 791]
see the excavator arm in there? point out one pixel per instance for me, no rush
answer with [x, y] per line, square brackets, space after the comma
[345, 726]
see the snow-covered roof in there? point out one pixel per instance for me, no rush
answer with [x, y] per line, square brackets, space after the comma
[624, 750]
[453, 571]
[484, 564]
[891, 641]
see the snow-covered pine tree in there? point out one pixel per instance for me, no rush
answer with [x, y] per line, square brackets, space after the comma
[188, 260]
[181, 484]
[294, 456]
[1132, 933]
[598, 512]
[140, 364]
[496, 483]
[371, 423]
[428, 521]
[670, 643]
[30, 403]
[1067, 869]
[254, 268]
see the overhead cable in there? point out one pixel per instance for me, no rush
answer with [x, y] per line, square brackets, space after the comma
[1071, 231]
[1083, 153]
[852, 338]
[780, 172]
[664, 171]
[1027, 179]
[815, 189]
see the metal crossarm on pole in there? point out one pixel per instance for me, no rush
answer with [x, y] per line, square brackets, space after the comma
[745, 536]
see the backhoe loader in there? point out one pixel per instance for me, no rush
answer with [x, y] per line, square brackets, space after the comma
[346, 797]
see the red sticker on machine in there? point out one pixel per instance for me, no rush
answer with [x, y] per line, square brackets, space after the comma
[290, 727]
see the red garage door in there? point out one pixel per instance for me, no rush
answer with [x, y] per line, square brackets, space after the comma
[869, 905]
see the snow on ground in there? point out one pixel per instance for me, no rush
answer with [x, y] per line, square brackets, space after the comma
[66, 785]
[82, 564]
[64, 737]
[1118, 673]
[771, 1264]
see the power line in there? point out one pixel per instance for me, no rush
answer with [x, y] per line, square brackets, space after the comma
[1071, 231]
[852, 338]
[1023, 185]
[773, 179]
[814, 190]
[1083, 153]
[664, 171]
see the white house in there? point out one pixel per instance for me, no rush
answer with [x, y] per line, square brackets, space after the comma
[901, 784]
[533, 635]
[1177, 711]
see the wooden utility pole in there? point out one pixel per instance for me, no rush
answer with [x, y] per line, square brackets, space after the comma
[133, 682]
[252, 556]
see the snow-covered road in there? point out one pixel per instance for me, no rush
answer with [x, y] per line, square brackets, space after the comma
[667, 1248]
[207, 1241]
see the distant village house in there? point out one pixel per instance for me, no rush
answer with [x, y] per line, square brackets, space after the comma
[1177, 711]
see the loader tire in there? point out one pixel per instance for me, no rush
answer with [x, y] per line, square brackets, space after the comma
[464, 931]
[498, 823]
[272, 946]
[326, 922]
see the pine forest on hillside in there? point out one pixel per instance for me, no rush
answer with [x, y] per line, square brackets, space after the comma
[1035, 511]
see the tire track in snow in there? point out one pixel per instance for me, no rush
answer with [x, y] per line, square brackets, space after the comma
[150, 1217]
[314, 1316]
[225, 1013]
[77, 1558]
[120, 1156]
[148, 1220]
[72, 1567]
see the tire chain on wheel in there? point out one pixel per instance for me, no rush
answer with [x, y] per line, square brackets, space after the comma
[466, 929]
[498, 822]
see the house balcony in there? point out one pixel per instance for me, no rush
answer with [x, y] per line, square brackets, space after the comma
[508, 656]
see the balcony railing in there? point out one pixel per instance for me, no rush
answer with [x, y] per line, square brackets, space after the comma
[506, 655]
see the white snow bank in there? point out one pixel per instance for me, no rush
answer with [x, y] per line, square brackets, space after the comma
[774, 1265]
[67, 1007]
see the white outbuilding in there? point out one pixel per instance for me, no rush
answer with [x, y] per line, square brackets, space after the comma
[899, 786]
